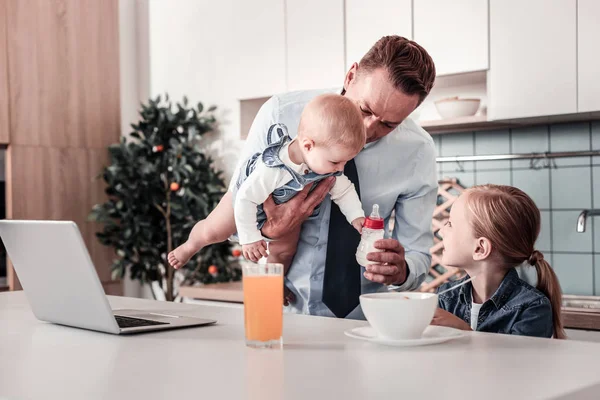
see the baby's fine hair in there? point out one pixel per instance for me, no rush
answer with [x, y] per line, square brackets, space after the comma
[332, 119]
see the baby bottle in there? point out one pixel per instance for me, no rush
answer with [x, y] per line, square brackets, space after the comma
[372, 231]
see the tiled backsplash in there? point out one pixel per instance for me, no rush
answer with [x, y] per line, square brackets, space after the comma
[560, 193]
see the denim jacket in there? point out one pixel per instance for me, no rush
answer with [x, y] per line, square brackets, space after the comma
[516, 307]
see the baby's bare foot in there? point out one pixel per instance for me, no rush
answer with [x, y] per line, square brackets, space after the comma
[181, 255]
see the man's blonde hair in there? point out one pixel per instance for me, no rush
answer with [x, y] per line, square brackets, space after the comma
[332, 119]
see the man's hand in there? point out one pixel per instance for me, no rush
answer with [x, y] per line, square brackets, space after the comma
[285, 217]
[444, 318]
[389, 265]
[255, 251]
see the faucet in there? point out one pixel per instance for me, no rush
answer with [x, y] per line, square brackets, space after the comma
[583, 216]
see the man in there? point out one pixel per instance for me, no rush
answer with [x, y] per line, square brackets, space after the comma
[396, 170]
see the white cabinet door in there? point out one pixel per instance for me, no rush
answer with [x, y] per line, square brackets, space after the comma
[259, 48]
[533, 66]
[368, 21]
[315, 44]
[589, 55]
[455, 33]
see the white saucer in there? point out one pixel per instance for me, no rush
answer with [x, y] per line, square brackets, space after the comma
[433, 335]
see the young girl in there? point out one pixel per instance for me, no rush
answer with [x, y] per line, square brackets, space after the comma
[331, 132]
[491, 230]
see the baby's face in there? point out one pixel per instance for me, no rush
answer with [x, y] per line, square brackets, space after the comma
[328, 159]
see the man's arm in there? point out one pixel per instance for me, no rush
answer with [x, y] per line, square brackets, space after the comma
[412, 227]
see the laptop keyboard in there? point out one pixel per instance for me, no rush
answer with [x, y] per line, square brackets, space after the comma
[129, 322]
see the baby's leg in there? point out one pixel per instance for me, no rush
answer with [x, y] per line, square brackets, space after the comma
[283, 251]
[216, 228]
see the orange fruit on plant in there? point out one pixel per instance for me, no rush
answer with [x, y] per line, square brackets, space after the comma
[212, 269]
[236, 253]
[174, 186]
[158, 148]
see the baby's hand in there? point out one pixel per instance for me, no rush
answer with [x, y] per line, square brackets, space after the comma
[255, 251]
[358, 224]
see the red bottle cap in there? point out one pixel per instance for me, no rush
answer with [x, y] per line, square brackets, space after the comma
[374, 221]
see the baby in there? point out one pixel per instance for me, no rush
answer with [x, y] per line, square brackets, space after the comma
[330, 133]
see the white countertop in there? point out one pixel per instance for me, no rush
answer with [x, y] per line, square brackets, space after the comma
[40, 360]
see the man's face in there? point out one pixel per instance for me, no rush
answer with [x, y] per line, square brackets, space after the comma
[382, 105]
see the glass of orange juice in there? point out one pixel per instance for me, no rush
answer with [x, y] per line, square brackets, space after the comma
[263, 304]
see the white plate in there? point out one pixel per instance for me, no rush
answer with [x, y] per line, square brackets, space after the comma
[433, 335]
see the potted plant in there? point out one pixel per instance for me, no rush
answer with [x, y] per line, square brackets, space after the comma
[160, 183]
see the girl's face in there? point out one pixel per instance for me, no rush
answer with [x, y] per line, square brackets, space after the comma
[459, 240]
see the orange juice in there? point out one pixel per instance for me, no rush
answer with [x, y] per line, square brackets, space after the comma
[263, 307]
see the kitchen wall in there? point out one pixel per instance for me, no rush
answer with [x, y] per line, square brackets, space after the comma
[560, 193]
[205, 50]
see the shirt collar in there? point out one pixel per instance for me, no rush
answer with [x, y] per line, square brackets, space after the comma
[499, 297]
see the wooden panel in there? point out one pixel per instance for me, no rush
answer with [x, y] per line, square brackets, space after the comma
[227, 291]
[102, 255]
[114, 288]
[59, 184]
[63, 72]
[4, 122]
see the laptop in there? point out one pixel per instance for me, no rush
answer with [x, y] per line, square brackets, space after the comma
[62, 286]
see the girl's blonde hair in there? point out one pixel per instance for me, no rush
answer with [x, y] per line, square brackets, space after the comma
[509, 218]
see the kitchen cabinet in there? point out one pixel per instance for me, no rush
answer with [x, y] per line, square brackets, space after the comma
[367, 22]
[315, 44]
[588, 63]
[455, 33]
[260, 48]
[533, 58]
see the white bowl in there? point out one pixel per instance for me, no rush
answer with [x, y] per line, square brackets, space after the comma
[454, 107]
[399, 315]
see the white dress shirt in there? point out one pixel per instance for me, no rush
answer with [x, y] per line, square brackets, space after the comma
[398, 172]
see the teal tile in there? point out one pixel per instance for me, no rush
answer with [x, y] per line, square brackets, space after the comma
[527, 273]
[570, 137]
[596, 187]
[457, 144]
[492, 142]
[437, 141]
[575, 273]
[596, 140]
[536, 183]
[492, 177]
[571, 188]
[531, 139]
[465, 179]
[565, 236]
[595, 224]
[543, 241]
